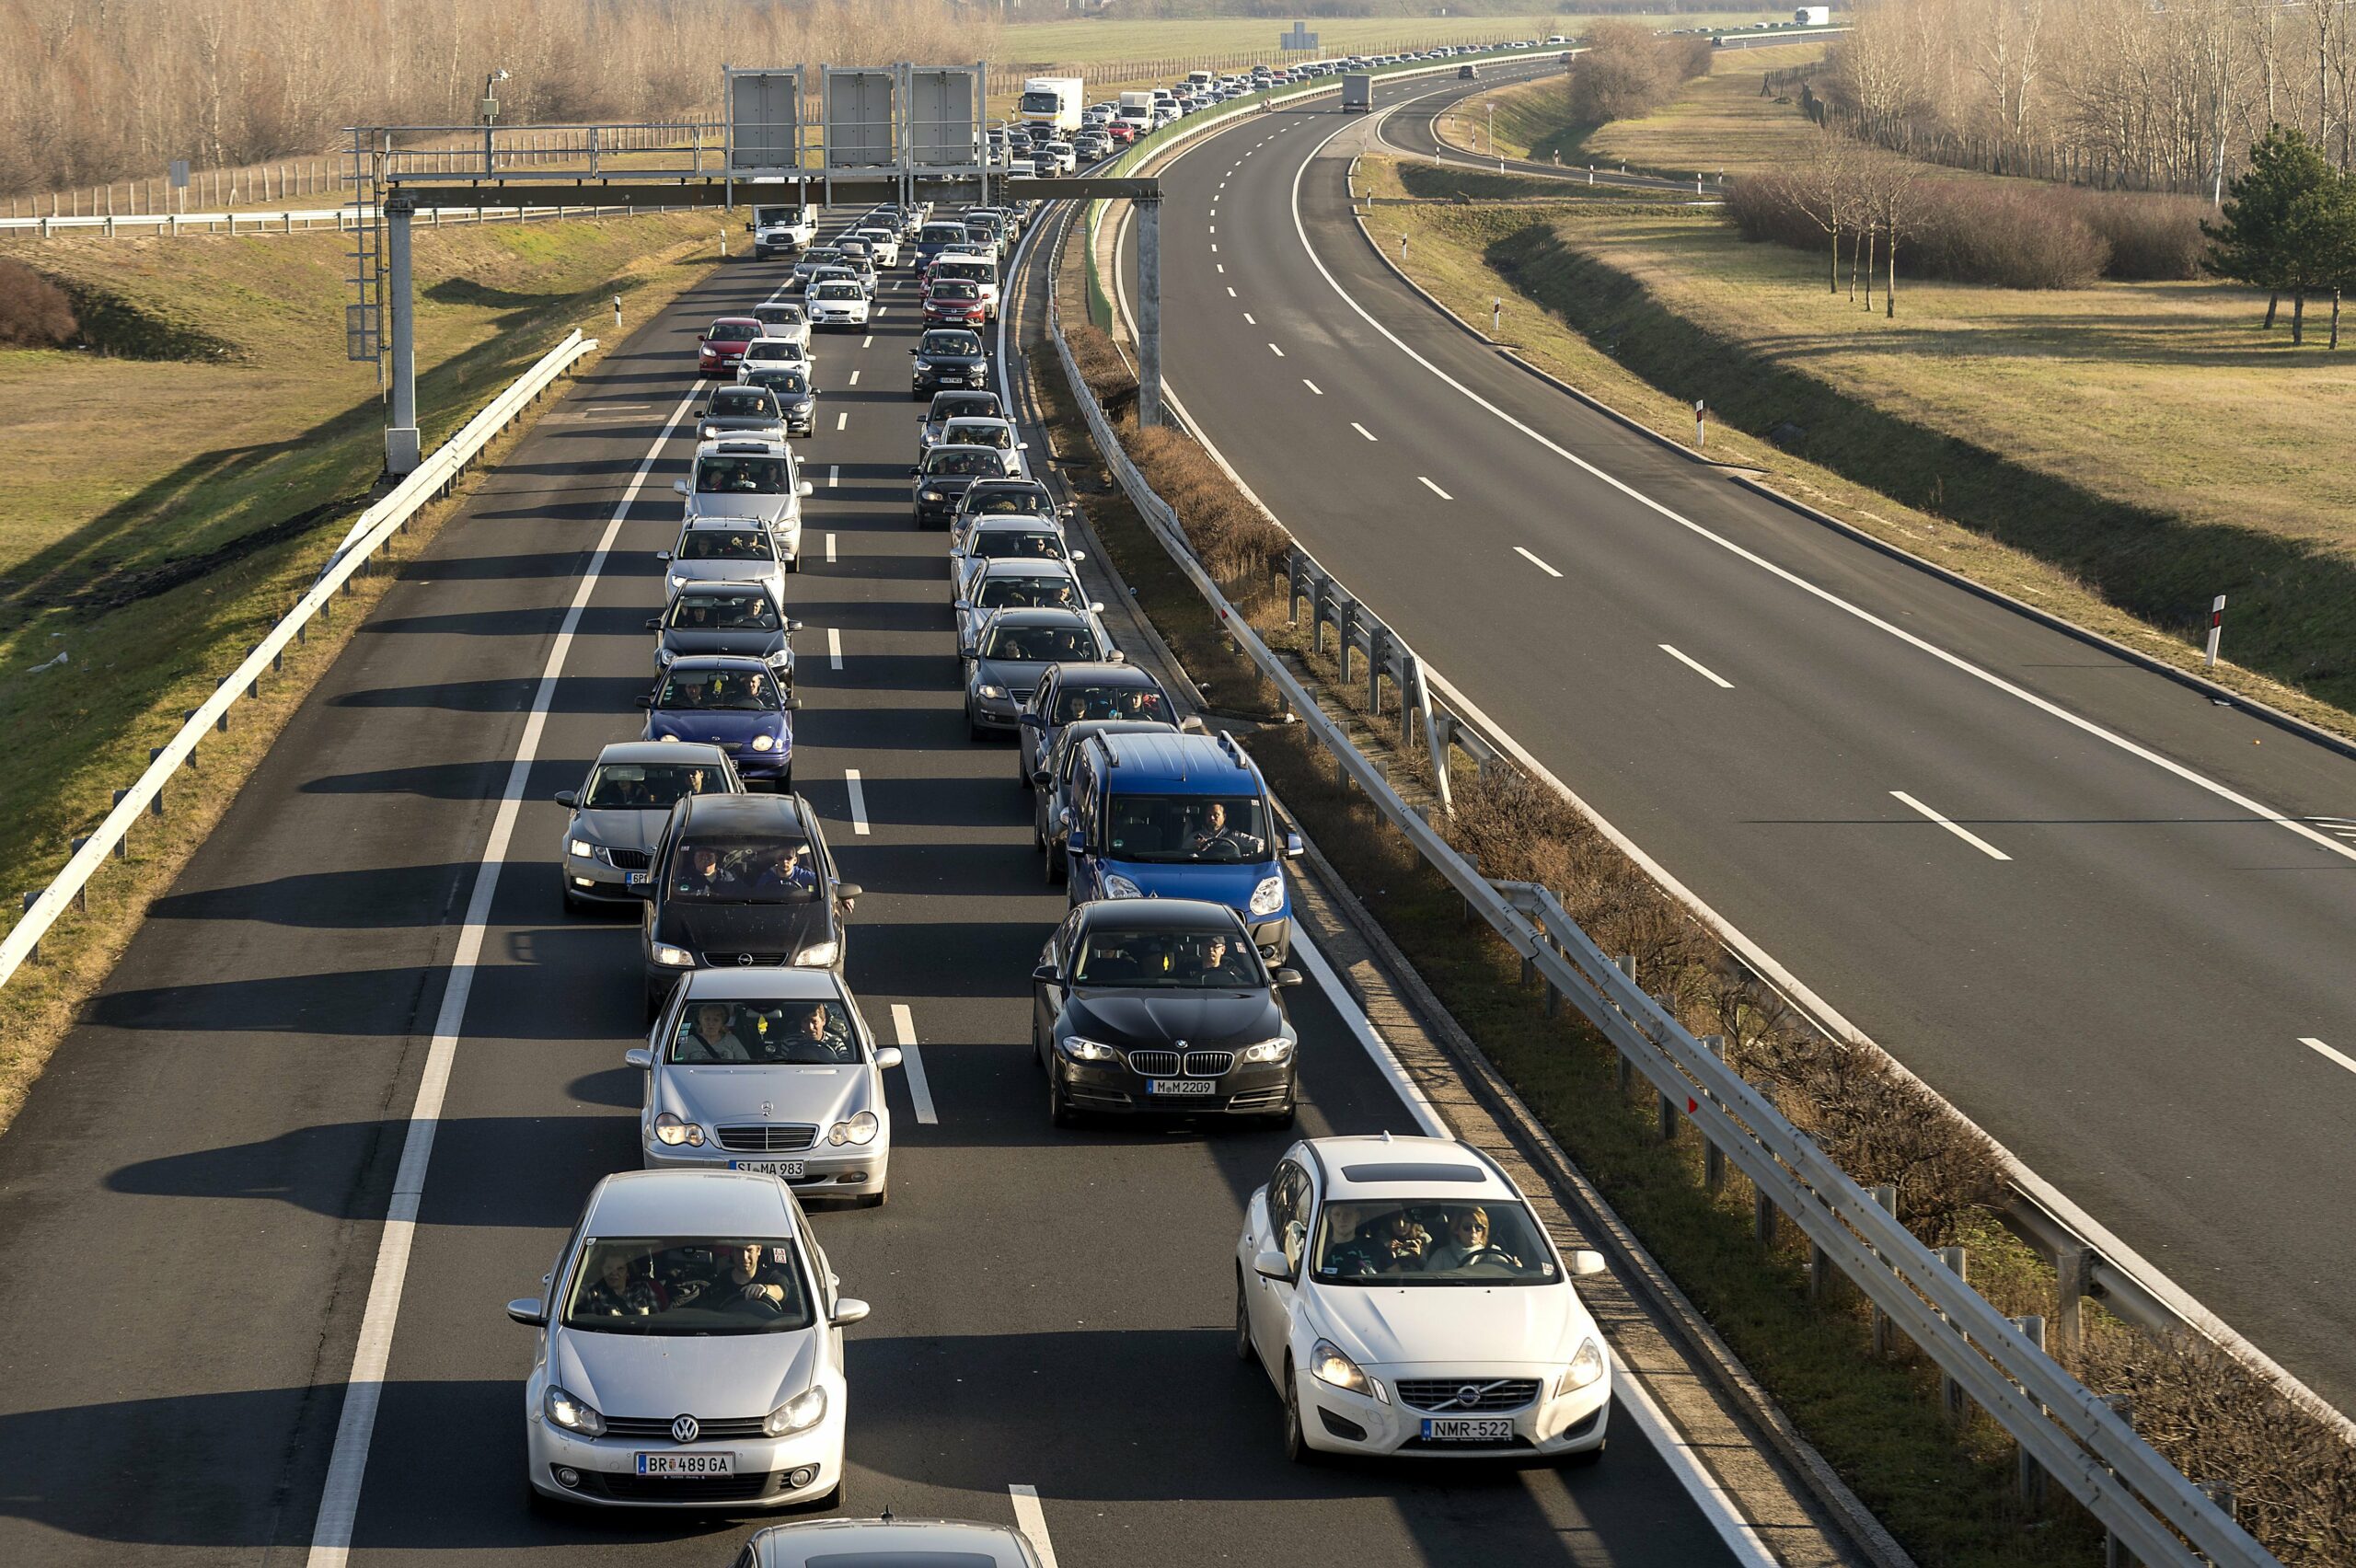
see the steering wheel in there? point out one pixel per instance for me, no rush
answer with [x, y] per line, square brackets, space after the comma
[1489, 1252]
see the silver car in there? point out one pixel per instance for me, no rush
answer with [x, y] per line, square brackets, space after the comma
[783, 318]
[1005, 538]
[920, 1543]
[1012, 650]
[771, 1070]
[1008, 585]
[740, 409]
[619, 810]
[998, 435]
[689, 1351]
[716, 550]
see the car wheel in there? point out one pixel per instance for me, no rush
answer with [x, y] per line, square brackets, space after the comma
[1297, 1447]
[1245, 1351]
[571, 904]
[1059, 1110]
[975, 732]
[1049, 872]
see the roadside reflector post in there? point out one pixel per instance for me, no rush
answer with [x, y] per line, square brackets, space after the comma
[1700, 424]
[2216, 628]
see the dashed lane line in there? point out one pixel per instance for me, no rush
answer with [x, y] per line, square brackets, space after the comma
[1535, 561]
[1698, 667]
[858, 802]
[1963, 832]
[903, 1025]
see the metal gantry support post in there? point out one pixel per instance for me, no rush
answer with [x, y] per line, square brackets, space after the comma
[1150, 312]
[399, 305]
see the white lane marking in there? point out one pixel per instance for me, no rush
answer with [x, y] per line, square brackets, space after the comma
[1214, 228]
[1312, 386]
[1214, 214]
[867, 341]
[365, 1388]
[830, 543]
[1952, 661]
[854, 379]
[1032, 1522]
[2312, 1043]
[1535, 561]
[1363, 431]
[1247, 315]
[834, 478]
[858, 802]
[1215, 251]
[879, 310]
[1698, 667]
[1275, 350]
[1427, 1117]
[903, 1025]
[1435, 489]
[842, 418]
[1230, 291]
[1963, 832]
[834, 644]
[1222, 267]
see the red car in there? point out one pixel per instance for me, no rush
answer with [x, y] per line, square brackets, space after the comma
[1122, 133]
[953, 302]
[723, 342]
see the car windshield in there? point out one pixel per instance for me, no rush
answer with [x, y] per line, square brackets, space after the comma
[723, 612]
[725, 544]
[781, 314]
[956, 291]
[992, 435]
[737, 871]
[669, 1286]
[1027, 593]
[741, 476]
[649, 786]
[942, 233]
[1394, 1241]
[741, 400]
[1029, 501]
[732, 332]
[838, 291]
[1092, 700]
[962, 271]
[1167, 958]
[962, 460]
[785, 383]
[1039, 543]
[951, 343]
[959, 405]
[772, 349]
[729, 691]
[779, 1033]
[1172, 828]
[1040, 644]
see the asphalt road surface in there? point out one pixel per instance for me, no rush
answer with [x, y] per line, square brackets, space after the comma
[194, 1200]
[2108, 919]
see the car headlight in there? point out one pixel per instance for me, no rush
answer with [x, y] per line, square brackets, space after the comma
[581, 847]
[1119, 886]
[677, 580]
[932, 495]
[665, 655]
[859, 1129]
[1267, 1051]
[1269, 896]
[1080, 1050]
[1585, 1368]
[708, 432]
[764, 742]
[570, 1413]
[671, 957]
[924, 364]
[671, 1130]
[1328, 1365]
[800, 1414]
[990, 691]
[819, 954]
[782, 658]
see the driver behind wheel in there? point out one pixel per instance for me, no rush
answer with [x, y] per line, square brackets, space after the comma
[1464, 1239]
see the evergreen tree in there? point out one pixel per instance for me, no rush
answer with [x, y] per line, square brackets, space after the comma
[2275, 222]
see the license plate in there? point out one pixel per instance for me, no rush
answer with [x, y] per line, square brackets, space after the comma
[789, 1169]
[1181, 1086]
[1457, 1429]
[638, 879]
[684, 1465]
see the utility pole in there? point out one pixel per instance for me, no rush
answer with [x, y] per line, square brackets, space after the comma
[489, 114]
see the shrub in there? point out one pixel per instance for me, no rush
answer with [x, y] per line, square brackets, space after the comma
[1973, 231]
[2151, 238]
[34, 312]
[1626, 70]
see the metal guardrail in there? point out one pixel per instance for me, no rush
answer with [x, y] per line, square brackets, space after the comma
[297, 220]
[2069, 1431]
[430, 479]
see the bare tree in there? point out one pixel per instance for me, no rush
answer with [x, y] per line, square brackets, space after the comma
[1826, 189]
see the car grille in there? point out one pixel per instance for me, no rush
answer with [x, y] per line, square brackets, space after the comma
[745, 959]
[621, 1487]
[627, 860]
[766, 1137]
[657, 1428]
[1445, 1394]
[1155, 1064]
[1209, 1063]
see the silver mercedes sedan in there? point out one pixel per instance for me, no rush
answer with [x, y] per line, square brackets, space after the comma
[772, 1070]
[619, 810]
[689, 1352]
[902, 1543]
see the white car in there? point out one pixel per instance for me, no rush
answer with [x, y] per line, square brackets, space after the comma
[689, 1352]
[794, 352]
[883, 245]
[836, 302]
[1405, 1300]
[771, 1070]
[783, 318]
[998, 435]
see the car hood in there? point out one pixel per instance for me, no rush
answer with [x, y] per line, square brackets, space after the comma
[1157, 1018]
[715, 1377]
[1225, 882]
[685, 641]
[721, 727]
[950, 484]
[741, 927]
[770, 509]
[941, 361]
[1463, 1327]
[621, 829]
[728, 571]
[822, 1096]
[1015, 674]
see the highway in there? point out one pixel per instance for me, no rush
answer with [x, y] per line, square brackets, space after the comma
[369, 959]
[2108, 919]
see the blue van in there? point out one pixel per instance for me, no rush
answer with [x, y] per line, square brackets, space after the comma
[1177, 815]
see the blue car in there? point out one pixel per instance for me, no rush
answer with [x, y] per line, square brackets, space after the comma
[732, 702]
[1176, 815]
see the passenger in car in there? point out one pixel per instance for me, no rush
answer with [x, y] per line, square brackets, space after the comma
[709, 1038]
[788, 871]
[618, 1292]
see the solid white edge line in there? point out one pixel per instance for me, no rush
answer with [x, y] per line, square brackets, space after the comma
[1435, 488]
[1031, 1520]
[903, 1025]
[1698, 667]
[858, 802]
[835, 647]
[2312, 1043]
[365, 1388]
[1963, 832]
[1421, 1108]
[1535, 561]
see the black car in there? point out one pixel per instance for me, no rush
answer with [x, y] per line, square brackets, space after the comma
[796, 394]
[726, 618]
[947, 405]
[741, 880]
[948, 356]
[940, 482]
[1147, 1005]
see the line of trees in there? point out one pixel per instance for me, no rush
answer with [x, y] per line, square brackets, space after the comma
[2288, 227]
[93, 91]
[1627, 70]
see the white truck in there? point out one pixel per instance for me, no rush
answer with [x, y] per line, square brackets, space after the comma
[782, 230]
[1137, 111]
[1357, 93]
[1813, 16]
[1052, 103]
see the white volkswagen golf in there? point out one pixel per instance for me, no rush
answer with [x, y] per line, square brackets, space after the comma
[1406, 1301]
[690, 1350]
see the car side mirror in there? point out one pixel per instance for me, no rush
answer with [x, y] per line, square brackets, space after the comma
[793, 705]
[888, 1056]
[638, 1057]
[1076, 555]
[1115, 656]
[528, 1311]
[849, 1311]
[646, 701]
[1273, 1264]
[845, 891]
[1047, 975]
[1029, 720]
[1294, 847]
[915, 473]
[1586, 1263]
[962, 605]
[805, 488]
[1095, 606]
[654, 623]
[912, 350]
[569, 799]
[1287, 977]
[1042, 777]
[968, 651]
[663, 556]
[792, 625]
[679, 487]
[1022, 446]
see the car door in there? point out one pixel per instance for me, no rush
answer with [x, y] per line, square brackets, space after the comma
[1270, 1302]
[1032, 739]
[1047, 998]
[1086, 806]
